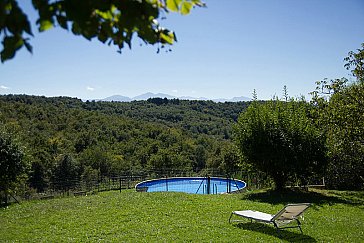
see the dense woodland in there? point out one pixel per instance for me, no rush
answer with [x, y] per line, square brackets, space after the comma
[66, 139]
[59, 141]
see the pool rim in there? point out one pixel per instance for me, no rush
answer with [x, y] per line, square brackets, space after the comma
[197, 177]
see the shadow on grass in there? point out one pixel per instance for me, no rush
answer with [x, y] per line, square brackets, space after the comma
[315, 197]
[288, 235]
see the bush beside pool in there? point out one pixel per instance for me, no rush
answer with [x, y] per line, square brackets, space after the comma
[196, 185]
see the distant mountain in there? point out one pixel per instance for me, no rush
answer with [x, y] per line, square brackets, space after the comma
[148, 95]
[118, 98]
[192, 98]
[152, 95]
[235, 99]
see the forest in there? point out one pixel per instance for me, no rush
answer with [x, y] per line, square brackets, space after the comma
[67, 139]
[59, 141]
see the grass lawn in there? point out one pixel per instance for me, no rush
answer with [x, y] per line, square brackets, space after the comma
[132, 216]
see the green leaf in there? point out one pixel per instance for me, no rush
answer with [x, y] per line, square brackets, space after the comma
[76, 29]
[45, 25]
[28, 46]
[173, 5]
[167, 37]
[62, 21]
[107, 15]
[11, 45]
[186, 8]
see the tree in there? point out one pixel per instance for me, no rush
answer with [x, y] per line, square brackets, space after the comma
[356, 61]
[345, 133]
[278, 138]
[230, 159]
[12, 164]
[66, 173]
[113, 22]
[37, 176]
[200, 158]
[98, 158]
[339, 112]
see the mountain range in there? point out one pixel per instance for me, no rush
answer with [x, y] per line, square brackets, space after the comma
[121, 98]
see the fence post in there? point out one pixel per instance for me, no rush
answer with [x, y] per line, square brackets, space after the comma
[120, 184]
[167, 183]
[208, 184]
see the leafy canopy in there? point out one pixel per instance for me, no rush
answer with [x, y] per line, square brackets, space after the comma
[113, 22]
[339, 111]
[279, 138]
[12, 163]
[355, 60]
[345, 123]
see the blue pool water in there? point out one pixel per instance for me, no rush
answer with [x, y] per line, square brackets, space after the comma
[197, 185]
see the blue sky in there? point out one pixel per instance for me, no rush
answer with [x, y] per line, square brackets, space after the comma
[225, 50]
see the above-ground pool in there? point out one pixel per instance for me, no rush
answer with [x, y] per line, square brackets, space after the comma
[197, 185]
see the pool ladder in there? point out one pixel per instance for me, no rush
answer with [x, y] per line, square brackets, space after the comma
[205, 191]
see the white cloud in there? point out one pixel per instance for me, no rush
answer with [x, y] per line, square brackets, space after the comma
[4, 87]
[175, 91]
[90, 88]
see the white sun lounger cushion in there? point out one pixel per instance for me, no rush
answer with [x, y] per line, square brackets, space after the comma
[256, 215]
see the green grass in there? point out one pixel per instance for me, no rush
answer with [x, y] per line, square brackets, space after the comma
[178, 217]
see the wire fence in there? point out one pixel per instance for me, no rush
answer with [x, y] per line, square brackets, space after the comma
[83, 187]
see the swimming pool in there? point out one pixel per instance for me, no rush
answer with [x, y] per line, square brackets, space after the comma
[196, 185]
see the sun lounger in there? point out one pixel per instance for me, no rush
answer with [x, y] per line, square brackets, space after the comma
[289, 213]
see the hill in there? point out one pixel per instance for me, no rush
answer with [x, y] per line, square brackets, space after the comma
[97, 139]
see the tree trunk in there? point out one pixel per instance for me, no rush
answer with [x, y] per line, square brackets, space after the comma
[279, 182]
